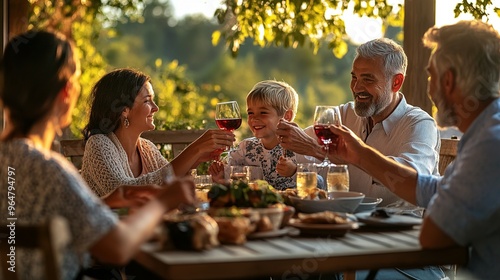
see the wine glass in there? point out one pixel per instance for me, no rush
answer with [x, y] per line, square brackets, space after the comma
[228, 116]
[323, 117]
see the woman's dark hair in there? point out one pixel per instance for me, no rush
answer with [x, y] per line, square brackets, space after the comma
[35, 67]
[113, 93]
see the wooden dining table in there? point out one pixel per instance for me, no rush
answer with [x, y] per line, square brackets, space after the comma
[297, 257]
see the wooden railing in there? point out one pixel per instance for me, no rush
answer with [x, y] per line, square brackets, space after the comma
[171, 142]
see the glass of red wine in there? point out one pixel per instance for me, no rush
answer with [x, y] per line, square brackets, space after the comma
[324, 116]
[228, 116]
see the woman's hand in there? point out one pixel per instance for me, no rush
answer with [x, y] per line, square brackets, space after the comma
[212, 143]
[131, 196]
[180, 191]
[207, 147]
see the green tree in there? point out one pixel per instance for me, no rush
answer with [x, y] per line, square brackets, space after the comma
[82, 21]
[274, 24]
[95, 21]
[294, 23]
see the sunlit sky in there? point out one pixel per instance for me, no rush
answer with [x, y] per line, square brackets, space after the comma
[186, 7]
[363, 30]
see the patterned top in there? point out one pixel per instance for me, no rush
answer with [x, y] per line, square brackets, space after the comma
[46, 184]
[250, 151]
[105, 164]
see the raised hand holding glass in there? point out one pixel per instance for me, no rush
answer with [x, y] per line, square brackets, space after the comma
[228, 116]
[324, 116]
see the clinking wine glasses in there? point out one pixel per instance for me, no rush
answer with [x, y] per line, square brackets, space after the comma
[228, 116]
[323, 117]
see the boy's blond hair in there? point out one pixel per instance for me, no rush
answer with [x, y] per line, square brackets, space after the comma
[280, 95]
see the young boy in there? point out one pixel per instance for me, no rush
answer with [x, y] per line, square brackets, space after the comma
[267, 103]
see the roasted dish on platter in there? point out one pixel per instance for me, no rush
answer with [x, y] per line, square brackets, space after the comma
[244, 208]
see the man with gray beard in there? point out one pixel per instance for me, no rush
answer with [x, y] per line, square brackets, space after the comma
[381, 117]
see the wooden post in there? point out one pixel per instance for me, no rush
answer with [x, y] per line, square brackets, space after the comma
[18, 12]
[3, 39]
[14, 21]
[419, 16]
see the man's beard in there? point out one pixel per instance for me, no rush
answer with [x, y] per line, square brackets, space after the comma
[446, 115]
[365, 109]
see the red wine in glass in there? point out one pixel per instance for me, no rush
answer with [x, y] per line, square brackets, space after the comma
[228, 117]
[323, 117]
[228, 124]
[324, 134]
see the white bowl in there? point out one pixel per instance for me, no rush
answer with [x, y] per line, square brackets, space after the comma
[336, 202]
[275, 215]
[368, 204]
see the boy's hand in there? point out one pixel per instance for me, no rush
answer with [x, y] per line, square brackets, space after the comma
[286, 167]
[216, 169]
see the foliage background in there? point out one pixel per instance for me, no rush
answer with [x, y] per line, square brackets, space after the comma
[190, 74]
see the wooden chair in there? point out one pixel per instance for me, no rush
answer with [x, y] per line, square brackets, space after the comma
[172, 141]
[447, 153]
[49, 237]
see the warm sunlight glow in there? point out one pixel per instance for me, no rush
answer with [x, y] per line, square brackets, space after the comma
[445, 14]
[362, 29]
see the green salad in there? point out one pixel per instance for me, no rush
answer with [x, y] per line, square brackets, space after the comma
[258, 194]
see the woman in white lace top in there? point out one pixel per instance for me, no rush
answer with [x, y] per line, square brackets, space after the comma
[40, 87]
[115, 154]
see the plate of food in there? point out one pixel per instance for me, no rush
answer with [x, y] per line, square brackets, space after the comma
[325, 223]
[381, 218]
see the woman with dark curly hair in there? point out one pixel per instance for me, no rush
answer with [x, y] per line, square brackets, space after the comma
[122, 107]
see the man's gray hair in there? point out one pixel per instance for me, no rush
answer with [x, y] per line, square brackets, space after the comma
[392, 54]
[471, 49]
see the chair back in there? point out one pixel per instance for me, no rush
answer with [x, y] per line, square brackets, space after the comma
[447, 153]
[174, 142]
[49, 237]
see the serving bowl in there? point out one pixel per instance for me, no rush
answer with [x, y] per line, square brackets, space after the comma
[337, 202]
[274, 214]
[368, 204]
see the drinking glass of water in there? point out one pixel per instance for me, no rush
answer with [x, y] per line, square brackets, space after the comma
[338, 178]
[306, 179]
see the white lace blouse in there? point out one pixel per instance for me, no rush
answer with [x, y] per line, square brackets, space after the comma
[105, 164]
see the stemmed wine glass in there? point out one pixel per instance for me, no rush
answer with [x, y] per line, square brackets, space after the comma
[228, 116]
[323, 117]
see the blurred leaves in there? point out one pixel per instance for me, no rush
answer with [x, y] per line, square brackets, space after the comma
[478, 9]
[298, 23]
[138, 34]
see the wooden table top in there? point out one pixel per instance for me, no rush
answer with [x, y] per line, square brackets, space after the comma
[291, 255]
